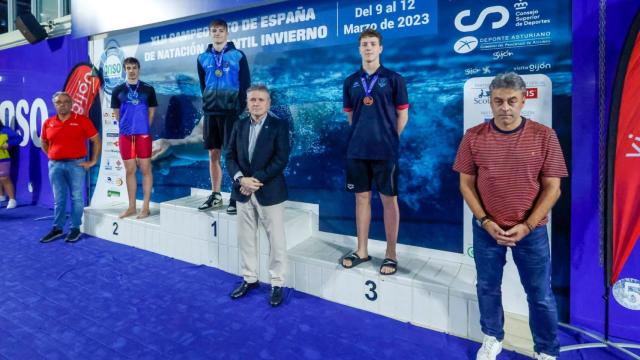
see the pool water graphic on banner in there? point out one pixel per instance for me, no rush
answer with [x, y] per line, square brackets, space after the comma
[305, 74]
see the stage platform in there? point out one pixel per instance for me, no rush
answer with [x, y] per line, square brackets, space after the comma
[432, 289]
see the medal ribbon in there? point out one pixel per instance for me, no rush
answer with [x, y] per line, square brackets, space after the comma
[218, 58]
[367, 89]
[133, 94]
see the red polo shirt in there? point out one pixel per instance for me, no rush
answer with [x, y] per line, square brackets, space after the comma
[68, 139]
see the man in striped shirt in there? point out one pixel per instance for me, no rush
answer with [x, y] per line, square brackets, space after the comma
[510, 170]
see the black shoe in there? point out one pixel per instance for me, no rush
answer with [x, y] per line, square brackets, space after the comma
[277, 295]
[243, 289]
[231, 209]
[213, 201]
[73, 236]
[52, 235]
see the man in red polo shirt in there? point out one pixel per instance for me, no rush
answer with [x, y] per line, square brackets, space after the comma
[64, 140]
[510, 170]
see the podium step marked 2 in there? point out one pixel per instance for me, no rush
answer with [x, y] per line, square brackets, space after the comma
[429, 292]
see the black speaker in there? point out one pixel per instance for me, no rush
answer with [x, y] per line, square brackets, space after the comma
[30, 28]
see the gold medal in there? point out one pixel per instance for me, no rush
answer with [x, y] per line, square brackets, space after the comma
[368, 100]
[218, 58]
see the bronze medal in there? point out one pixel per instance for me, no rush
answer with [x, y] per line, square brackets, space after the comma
[368, 99]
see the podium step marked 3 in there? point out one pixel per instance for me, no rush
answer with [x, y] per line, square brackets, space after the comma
[429, 292]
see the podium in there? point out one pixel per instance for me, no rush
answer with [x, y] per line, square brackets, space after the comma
[432, 289]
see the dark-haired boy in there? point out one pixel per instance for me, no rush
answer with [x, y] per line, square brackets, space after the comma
[376, 102]
[134, 104]
[224, 77]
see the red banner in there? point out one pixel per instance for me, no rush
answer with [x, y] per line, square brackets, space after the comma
[83, 86]
[626, 181]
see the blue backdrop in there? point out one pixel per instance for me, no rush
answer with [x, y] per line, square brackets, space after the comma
[26, 86]
[587, 271]
[304, 50]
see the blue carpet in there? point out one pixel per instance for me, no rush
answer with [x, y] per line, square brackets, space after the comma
[100, 300]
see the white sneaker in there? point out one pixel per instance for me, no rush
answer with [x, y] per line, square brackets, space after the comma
[3, 198]
[11, 204]
[491, 347]
[543, 356]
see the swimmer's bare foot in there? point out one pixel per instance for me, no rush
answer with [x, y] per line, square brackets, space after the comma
[143, 214]
[128, 212]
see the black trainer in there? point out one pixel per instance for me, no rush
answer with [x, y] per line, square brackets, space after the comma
[213, 201]
[52, 235]
[231, 209]
[73, 236]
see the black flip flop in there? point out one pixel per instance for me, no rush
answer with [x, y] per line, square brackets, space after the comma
[389, 263]
[355, 260]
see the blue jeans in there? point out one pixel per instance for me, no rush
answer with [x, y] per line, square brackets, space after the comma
[67, 176]
[533, 260]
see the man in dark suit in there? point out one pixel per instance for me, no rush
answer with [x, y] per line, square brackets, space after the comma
[256, 157]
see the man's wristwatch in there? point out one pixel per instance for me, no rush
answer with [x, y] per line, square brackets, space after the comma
[238, 179]
[482, 220]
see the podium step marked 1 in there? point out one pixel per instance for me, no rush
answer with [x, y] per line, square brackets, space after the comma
[429, 292]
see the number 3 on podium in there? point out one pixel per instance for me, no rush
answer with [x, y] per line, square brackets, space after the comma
[372, 295]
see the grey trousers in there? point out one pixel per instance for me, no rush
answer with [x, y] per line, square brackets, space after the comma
[272, 219]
